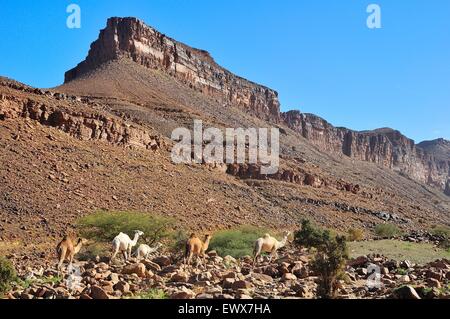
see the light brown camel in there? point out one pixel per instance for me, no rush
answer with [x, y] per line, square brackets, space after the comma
[194, 246]
[68, 248]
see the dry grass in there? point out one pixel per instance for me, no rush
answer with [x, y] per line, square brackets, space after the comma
[398, 250]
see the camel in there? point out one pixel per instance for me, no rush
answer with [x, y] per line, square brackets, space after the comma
[194, 246]
[144, 251]
[269, 244]
[123, 243]
[68, 248]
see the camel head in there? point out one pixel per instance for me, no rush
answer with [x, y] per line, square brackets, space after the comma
[82, 241]
[208, 237]
[139, 233]
[287, 234]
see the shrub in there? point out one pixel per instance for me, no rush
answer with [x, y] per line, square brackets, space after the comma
[237, 242]
[355, 234]
[152, 294]
[7, 275]
[329, 261]
[104, 226]
[442, 231]
[387, 231]
[177, 242]
[93, 250]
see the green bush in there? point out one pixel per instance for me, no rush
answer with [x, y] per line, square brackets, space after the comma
[330, 259]
[7, 275]
[104, 226]
[443, 231]
[237, 242]
[387, 231]
[93, 250]
[355, 234]
[151, 294]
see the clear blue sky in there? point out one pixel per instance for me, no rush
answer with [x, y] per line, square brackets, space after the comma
[319, 55]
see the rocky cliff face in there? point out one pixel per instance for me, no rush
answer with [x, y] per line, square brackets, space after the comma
[130, 38]
[427, 162]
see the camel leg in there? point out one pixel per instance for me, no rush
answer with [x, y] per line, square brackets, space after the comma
[255, 259]
[61, 258]
[115, 252]
[70, 261]
[188, 259]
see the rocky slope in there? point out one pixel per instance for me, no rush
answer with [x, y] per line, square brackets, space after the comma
[131, 38]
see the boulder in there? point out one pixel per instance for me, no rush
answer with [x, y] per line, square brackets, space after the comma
[242, 284]
[358, 262]
[406, 292]
[434, 283]
[262, 277]
[179, 277]
[184, 293]
[98, 293]
[138, 269]
[122, 286]
[288, 277]
[162, 261]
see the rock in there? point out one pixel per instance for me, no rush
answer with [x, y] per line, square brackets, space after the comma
[262, 277]
[384, 270]
[271, 271]
[230, 274]
[288, 277]
[212, 253]
[122, 286]
[98, 293]
[406, 264]
[434, 274]
[358, 262]
[242, 284]
[405, 279]
[406, 292]
[114, 278]
[362, 272]
[184, 293]
[162, 261]
[228, 283]
[392, 265]
[302, 291]
[138, 269]
[40, 293]
[228, 260]
[180, 277]
[150, 265]
[433, 283]
[439, 264]
[108, 287]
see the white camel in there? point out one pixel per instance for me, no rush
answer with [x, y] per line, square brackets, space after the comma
[269, 244]
[144, 251]
[123, 243]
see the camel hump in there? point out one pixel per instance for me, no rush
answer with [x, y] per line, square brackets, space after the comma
[267, 236]
[193, 236]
